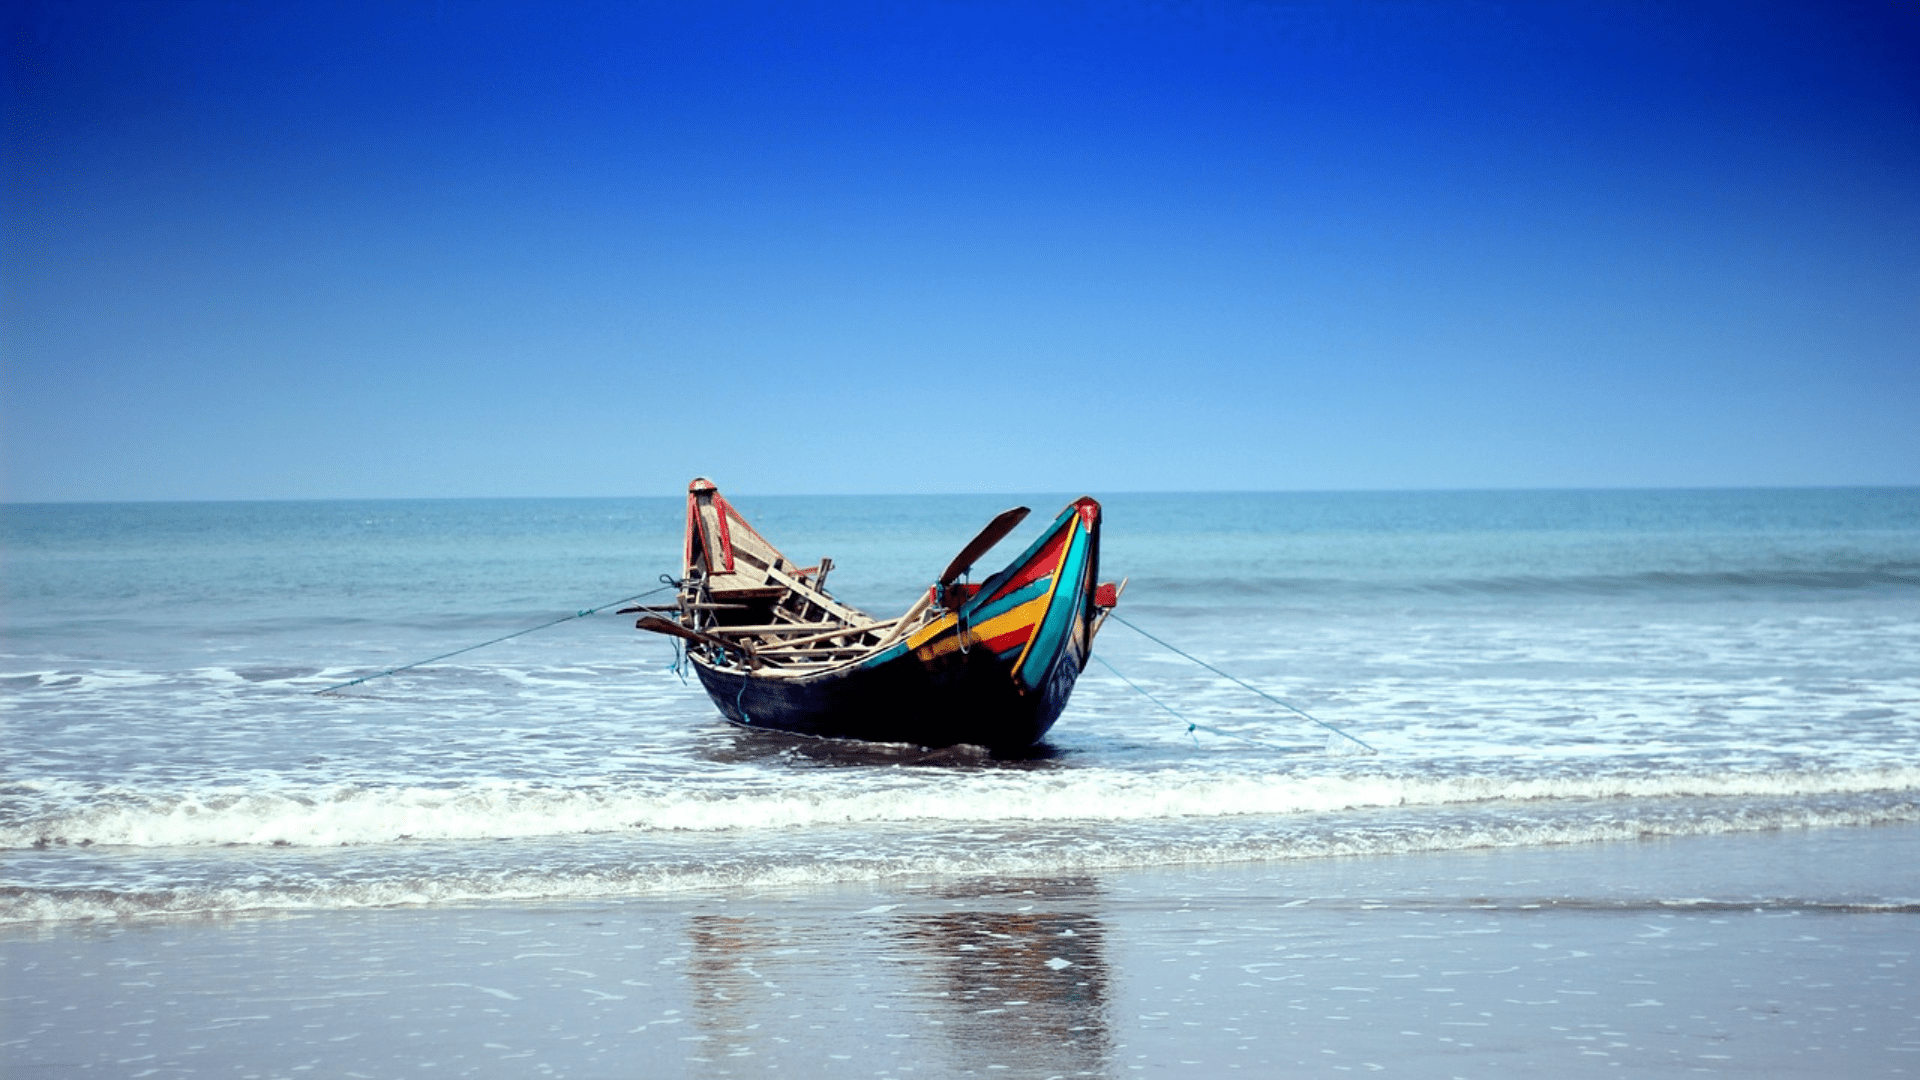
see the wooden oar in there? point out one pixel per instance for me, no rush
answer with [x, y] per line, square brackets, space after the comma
[996, 531]
[663, 626]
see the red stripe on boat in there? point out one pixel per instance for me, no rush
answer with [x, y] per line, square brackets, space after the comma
[1038, 567]
[721, 511]
[1012, 639]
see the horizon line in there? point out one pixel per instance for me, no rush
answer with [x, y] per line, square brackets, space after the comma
[1517, 489]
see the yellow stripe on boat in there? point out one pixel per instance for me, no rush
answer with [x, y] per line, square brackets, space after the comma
[930, 631]
[925, 646]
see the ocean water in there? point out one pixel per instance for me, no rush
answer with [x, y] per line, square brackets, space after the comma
[1510, 670]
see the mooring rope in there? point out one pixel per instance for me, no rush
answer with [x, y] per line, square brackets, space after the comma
[668, 583]
[1192, 726]
[1239, 682]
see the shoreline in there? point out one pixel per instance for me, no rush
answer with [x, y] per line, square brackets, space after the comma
[1784, 953]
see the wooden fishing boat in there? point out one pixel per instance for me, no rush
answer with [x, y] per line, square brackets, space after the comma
[989, 664]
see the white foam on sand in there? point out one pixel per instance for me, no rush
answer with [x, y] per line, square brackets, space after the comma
[1762, 953]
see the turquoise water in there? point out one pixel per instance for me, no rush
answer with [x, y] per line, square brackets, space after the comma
[1533, 668]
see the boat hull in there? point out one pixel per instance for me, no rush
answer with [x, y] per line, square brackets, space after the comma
[993, 668]
[964, 699]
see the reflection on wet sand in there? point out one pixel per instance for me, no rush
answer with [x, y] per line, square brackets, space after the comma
[1013, 975]
[1030, 985]
[728, 992]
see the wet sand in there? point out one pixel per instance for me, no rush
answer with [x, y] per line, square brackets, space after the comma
[1781, 954]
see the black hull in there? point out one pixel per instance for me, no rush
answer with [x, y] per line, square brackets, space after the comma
[962, 698]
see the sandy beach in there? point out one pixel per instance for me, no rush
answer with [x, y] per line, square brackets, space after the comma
[1760, 954]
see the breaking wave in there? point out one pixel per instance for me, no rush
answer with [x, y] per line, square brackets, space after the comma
[591, 871]
[354, 814]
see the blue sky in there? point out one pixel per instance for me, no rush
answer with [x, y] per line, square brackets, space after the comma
[315, 250]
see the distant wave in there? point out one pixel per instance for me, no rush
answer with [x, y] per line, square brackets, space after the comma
[1691, 582]
[1681, 583]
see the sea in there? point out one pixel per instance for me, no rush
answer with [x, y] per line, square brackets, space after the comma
[235, 708]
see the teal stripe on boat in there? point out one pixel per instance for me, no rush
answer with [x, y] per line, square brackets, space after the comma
[1037, 587]
[896, 649]
[1051, 636]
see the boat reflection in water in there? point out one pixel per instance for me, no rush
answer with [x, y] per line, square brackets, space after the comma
[1009, 974]
[1031, 984]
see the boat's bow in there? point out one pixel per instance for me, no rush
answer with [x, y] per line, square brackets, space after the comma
[1036, 616]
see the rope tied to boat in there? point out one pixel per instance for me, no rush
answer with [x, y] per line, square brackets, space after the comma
[1232, 679]
[1192, 726]
[960, 616]
[668, 582]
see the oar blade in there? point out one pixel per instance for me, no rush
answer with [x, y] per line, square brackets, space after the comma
[996, 531]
